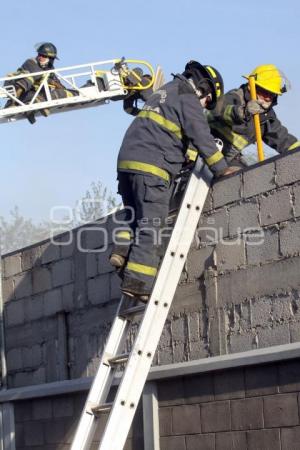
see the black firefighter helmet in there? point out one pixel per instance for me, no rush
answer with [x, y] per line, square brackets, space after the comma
[206, 78]
[47, 49]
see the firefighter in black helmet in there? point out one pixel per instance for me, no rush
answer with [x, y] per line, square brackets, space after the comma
[26, 87]
[152, 153]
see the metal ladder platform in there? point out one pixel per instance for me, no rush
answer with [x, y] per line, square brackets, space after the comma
[155, 312]
[83, 79]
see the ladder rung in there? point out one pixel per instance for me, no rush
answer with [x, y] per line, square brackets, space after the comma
[106, 407]
[132, 311]
[119, 359]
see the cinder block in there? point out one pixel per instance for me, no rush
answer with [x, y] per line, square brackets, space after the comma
[198, 389]
[66, 242]
[104, 265]
[49, 252]
[41, 279]
[258, 180]
[230, 254]
[227, 191]
[68, 297]
[277, 335]
[186, 419]
[289, 376]
[23, 411]
[212, 228]
[171, 392]
[198, 261]
[22, 379]
[264, 249]
[295, 331]
[179, 328]
[229, 384]
[288, 169]
[30, 258]
[12, 265]
[8, 289]
[215, 417]
[32, 356]
[247, 414]
[19, 435]
[34, 434]
[14, 359]
[281, 410]
[241, 342]
[93, 237]
[54, 432]
[296, 194]
[115, 286]
[173, 443]
[52, 302]
[165, 421]
[39, 376]
[42, 409]
[231, 441]
[34, 308]
[14, 313]
[290, 438]
[263, 440]
[63, 407]
[23, 285]
[276, 207]
[290, 239]
[91, 265]
[243, 218]
[282, 310]
[261, 312]
[98, 289]
[62, 272]
[198, 441]
[261, 380]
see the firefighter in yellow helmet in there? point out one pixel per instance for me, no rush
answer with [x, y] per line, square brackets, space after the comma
[232, 122]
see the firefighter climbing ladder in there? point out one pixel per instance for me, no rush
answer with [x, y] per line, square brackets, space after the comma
[91, 85]
[138, 362]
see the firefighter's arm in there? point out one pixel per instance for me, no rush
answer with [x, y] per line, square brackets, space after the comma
[27, 68]
[278, 137]
[197, 131]
[229, 109]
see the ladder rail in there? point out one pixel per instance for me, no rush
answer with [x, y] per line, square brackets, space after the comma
[138, 366]
[102, 382]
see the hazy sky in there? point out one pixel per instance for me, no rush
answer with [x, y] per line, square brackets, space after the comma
[54, 161]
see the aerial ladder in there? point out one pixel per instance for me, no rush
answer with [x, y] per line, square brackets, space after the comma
[154, 313]
[89, 85]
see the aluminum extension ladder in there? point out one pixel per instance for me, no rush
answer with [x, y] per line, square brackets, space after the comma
[138, 362]
[81, 78]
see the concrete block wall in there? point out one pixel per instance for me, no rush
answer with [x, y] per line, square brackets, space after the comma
[253, 408]
[50, 424]
[240, 288]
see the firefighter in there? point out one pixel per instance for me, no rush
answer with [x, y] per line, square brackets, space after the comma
[152, 153]
[232, 119]
[27, 87]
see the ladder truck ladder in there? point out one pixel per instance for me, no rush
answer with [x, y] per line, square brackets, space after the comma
[88, 84]
[155, 312]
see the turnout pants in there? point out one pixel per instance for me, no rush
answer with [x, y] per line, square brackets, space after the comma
[142, 241]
